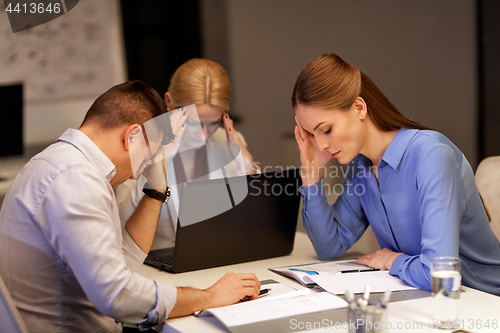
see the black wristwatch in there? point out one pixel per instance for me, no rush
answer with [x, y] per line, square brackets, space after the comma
[157, 195]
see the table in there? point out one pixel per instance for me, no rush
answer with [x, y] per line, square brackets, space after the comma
[480, 311]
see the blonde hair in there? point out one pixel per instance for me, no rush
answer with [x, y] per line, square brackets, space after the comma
[200, 81]
[329, 82]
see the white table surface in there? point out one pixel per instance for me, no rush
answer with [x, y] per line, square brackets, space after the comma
[477, 308]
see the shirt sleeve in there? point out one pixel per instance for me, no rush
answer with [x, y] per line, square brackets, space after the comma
[76, 216]
[332, 229]
[128, 196]
[134, 256]
[442, 204]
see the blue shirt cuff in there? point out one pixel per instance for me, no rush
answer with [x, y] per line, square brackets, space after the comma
[396, 265]
[311, 195]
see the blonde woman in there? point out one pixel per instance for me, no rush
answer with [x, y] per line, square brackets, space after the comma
[412, 185]
[206, 84]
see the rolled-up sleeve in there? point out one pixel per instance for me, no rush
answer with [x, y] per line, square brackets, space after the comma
[162, 308]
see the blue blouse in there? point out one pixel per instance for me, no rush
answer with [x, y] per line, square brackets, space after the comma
[425, 205]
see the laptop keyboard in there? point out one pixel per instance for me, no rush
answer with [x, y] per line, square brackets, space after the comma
[168, 259]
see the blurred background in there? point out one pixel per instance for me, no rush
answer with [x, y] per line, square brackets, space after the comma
[436, 61]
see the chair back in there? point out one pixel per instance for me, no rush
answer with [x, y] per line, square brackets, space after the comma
[488, 185]
[10, 319]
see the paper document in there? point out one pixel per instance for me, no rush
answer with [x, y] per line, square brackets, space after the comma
[379, 281]
[252, 312]
[276, 290]
[300, 292]
[334, 267]
[303, 273]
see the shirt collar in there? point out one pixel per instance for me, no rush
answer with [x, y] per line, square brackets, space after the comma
[396, 149]
[91, 151]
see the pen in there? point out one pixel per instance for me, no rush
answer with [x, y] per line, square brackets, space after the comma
[262, 292]
[363, 302]
[358, 271]
[382, 302]
[349, 297]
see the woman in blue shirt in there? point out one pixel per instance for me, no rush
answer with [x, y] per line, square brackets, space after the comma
[412, 185]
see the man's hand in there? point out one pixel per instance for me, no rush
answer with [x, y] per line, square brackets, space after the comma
[382, 259]
[231, 288]
[234, 287]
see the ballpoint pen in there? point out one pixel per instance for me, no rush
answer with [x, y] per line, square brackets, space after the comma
[349, 297]
[262, 292]
[363, 302]
[357, 270]
[382, 302]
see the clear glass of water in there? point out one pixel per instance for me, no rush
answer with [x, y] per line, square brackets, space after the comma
[446, 282]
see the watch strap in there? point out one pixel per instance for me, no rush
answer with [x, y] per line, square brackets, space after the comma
[157, 195]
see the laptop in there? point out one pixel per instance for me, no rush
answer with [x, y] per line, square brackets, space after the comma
[233, 220]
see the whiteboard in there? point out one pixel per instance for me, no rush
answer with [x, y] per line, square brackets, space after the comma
[69, 56]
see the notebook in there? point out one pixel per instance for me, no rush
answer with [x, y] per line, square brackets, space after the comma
[304, 273]
[233, 220]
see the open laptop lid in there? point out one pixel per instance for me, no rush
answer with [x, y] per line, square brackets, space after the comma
[237, 219]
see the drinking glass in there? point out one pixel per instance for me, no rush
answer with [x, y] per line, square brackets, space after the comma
[446, 282]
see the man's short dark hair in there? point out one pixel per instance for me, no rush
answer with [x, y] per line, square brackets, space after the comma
[132, 102]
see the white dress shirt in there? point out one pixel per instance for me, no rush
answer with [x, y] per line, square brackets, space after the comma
[64, 256]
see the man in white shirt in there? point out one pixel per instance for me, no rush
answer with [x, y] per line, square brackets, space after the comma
[66, 260]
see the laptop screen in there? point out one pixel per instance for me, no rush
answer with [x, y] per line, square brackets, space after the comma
[259, 222]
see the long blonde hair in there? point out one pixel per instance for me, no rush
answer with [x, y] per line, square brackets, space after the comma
[331, 83]
[200, 81]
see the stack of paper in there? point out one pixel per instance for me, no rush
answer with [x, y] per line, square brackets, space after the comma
[254, 311]
[378, 281]
[338, 276]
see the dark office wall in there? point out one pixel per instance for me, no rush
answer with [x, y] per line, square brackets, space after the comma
[421, 53]
[214, 31]
[160, 35]
[489, 68]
